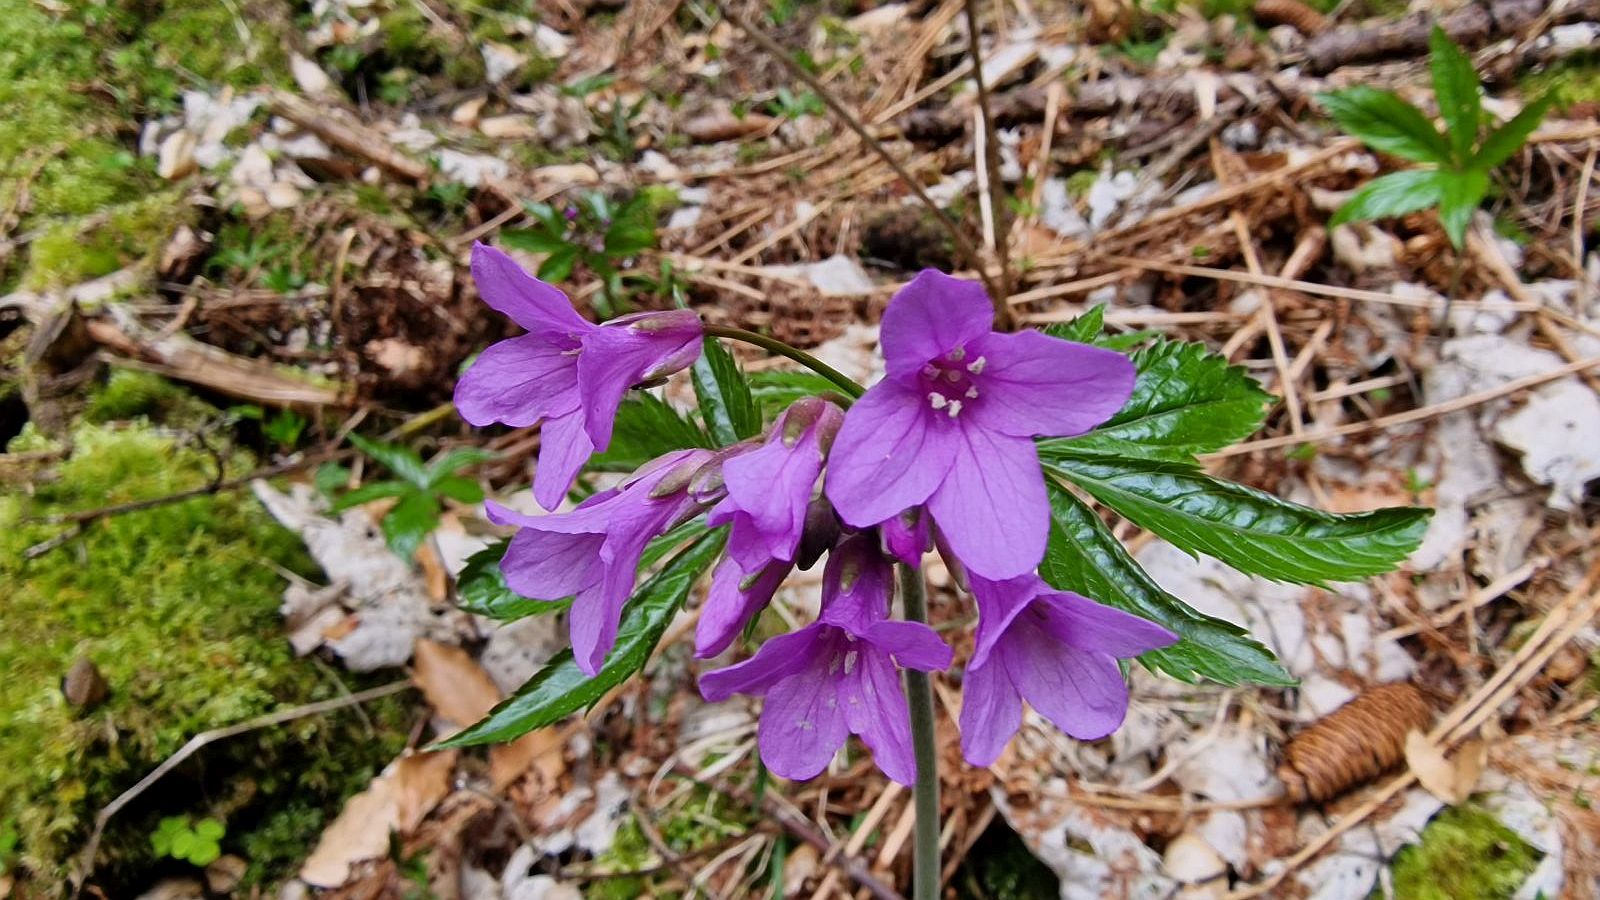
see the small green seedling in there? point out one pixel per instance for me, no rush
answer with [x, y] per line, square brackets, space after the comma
[789, 105]
[198, 843]
[1457, 163]
[597, 233]
[420, 489]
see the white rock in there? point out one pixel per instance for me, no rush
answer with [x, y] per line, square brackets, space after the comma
[471, 169]
[310, 77]
[499, 61]
[176, 157]
[282, 195]
[551, 42]
[873, 22]
[1192, 862]
[836, 276]
[511, 127]
[1558, 435]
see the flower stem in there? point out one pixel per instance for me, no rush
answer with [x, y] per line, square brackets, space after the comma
[919, 696]
[773, 345]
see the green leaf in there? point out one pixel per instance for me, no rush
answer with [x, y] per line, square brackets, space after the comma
[1394, 194]
[1086, 558]
[452, 461]
[376, 490]
[627, 238]
[646, 427]
[724, 395]
[204, 852]
[534, 240]
[558, 265]
[1249, 530]
[1186, 400]
[1463, 191]
[1455, 87]
[460, 489]
[329, 478]
[182, 843]
[1386, 123]
[1505, 141]
[775, 389]
[546, 215]
[1083, 329]
[409, 522]
[481, 588]
[209, 829]
[560, 689]
[402, 461]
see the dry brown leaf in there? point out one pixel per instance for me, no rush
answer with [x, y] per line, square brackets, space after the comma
[1451, 779]
[434, 577]
[722, 125]
[455, 685]
[542, 748]
[396, 800]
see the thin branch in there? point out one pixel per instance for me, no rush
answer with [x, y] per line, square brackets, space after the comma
[991, 160]
[964, 244]
[193, 746]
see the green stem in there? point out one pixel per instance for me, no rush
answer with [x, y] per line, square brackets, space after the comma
[773, 345]
[919, 696]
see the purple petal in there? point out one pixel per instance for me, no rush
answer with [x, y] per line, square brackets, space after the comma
[1082, 623]
[991, 712]
[548, 565]
[730, 604]
[782, 657]
[992, 508]
[1080, 691]
[505, 515]
[517, 382]
[913, 645]
[931, 316]
[856, 584]
[999, 604]
[524, 299]
[772, 484]
[890, 455]
[563, 449]
[617, 357]
[802, 726]
[1034, 384]
[907, 536]
[875, 708]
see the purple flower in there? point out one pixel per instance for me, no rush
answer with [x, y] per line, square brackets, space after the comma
[566, 372]
[837, 676]
[770, 487]
[592, 553]
[952, 423]
[1056, 650]
[734, 597]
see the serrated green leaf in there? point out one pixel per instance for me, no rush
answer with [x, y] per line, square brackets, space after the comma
[1505, 141]
[646, 427]
[481, 588]
[1455, 87]
[1394, 194]
[560, 689]
[1461, 194]
[459, 489]
[1248, 529]
[724, 394]
[534, 240]
[402, 461]
[1083, 329]
[1125, 341]
[1086, 558]
[405, 527]
[1384, 122]
[1186, 400]
[376, 490]
[453, 461]
[557, 267]
[775, 389]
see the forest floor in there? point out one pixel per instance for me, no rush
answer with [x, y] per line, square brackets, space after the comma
[234, 234]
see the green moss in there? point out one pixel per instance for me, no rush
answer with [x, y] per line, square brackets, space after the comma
[703, 819]
[77, 250]
[1465, 854]
[177, 607]
[132, 394]
[1575, 79]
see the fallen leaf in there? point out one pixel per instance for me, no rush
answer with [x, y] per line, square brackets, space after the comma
[1452, 780]
[434, 578]
[455, 685]
[722, 125]
[397, 800]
